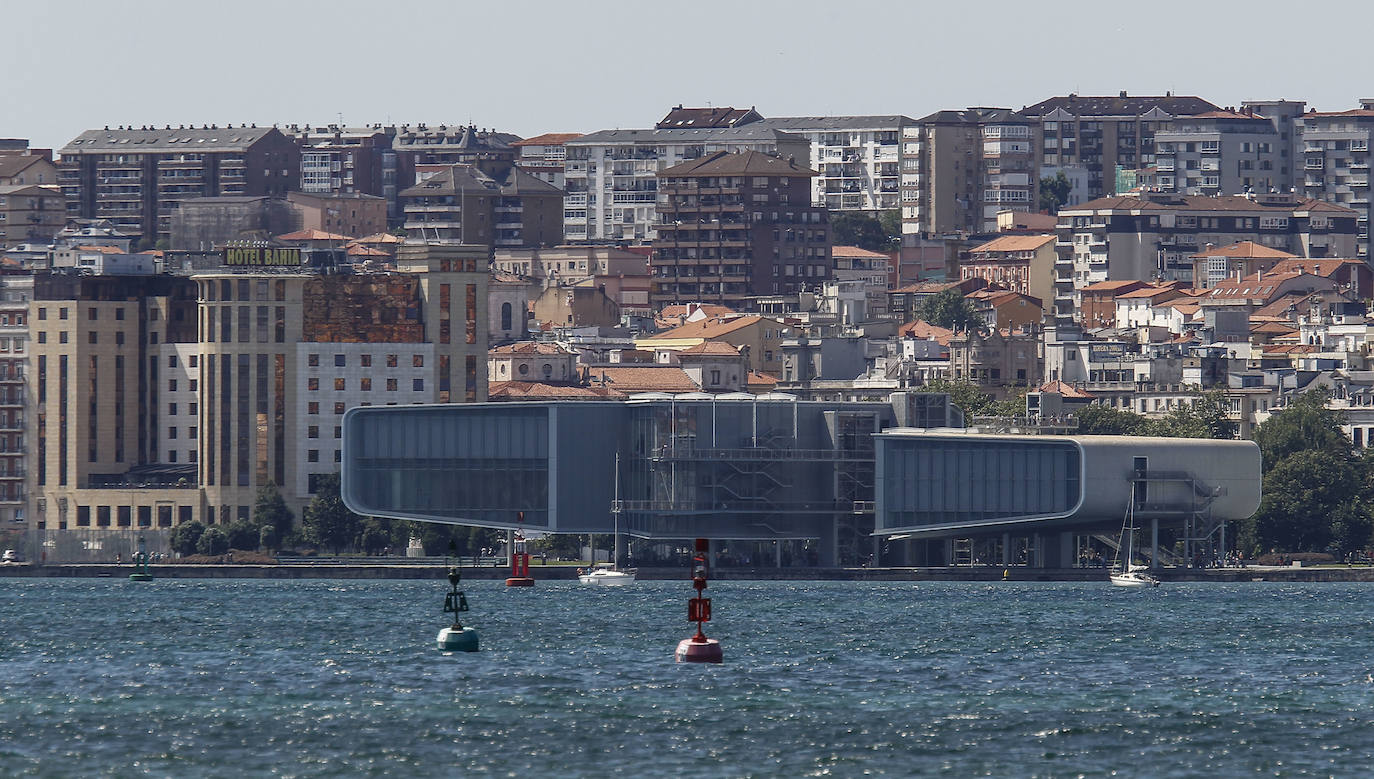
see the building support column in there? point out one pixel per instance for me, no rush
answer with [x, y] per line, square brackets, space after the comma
[1154, 543]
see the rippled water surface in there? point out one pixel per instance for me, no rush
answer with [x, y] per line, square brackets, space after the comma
[341, 678]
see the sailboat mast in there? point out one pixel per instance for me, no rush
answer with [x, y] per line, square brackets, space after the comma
[615, 516]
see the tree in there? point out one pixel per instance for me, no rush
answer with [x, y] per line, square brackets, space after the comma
[375, 535]
[950, 310]
[327, 521]
[1104, 420]
[1305, 424]
[1054, 192]
[866, 231]
[267, 537]
[185, 537]
[968, 397]
[1314, 500]
[214, 541]
[242, 534]
[270, 509]
[1317, 494]
[1207, 417]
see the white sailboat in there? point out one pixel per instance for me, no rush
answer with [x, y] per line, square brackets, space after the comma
[1124, 573]
[609, 573]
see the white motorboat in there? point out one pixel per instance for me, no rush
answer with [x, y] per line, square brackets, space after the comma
[607, 574]
[1124, 572]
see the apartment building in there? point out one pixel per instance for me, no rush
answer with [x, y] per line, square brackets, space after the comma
[612, 180]
[136, 177]
[1335, 163]
[15, 292]
[1019, 263]
[858, 158]
[872, 271]
[340, 160]
[622, 274]
[543, 156]
[30, 213]
[354, 215]
[493, 203]
[1223, 152]
[1101, 134]
[159, 399]
[424, 150]
[961, 168]
[734, 225]
[1154, 238]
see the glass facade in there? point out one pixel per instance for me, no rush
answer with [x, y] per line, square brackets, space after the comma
[430, 463]
[931, 481]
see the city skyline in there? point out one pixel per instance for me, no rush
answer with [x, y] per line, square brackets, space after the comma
[509, 67]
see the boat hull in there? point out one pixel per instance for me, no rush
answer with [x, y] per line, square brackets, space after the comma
[607, 579]
[1134, 580]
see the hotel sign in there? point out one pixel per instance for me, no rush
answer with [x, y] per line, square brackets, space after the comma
[258, 256]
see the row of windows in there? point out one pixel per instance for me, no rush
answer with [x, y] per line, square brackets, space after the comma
[364, 384]
[365, 360]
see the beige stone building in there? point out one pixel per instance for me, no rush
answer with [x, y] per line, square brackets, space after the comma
[160, 399]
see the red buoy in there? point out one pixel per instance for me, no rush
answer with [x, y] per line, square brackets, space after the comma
[699, 648]
[519, 560]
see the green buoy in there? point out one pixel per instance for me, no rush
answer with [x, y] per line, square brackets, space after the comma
[456, 638]
[140, 573]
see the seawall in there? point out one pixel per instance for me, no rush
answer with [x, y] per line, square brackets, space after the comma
[567, 573]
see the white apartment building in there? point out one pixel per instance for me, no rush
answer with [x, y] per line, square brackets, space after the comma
[610, 177]
[1335, 162]
[858, 157]
[1222, 152]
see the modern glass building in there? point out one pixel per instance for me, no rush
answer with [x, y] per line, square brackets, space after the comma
[945, 485]
[893, 481]
[726, 467]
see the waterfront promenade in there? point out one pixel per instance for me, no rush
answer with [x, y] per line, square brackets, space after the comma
[435, 569]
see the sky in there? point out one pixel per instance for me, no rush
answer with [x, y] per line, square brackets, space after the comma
[530, 67]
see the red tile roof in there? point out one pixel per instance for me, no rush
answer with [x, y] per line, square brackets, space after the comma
[1066, 389]
[530, 348]
[856, 253]
[314, 235]
[548, 139]
[1013, 243]
[924, 331]
[630, 379]
[712, 327]
[530, 390]
[1246, 249]
[712, 348]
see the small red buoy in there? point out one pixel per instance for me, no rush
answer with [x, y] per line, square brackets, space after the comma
[519, 561]
[699, 648]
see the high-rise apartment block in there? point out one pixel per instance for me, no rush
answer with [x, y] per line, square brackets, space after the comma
[960, 168]
[611, 176]
[737, 225]
[1154, 237]
[1103, 133]
[858, 158]
[136, 177]
[1335, 162]
[1222, 153]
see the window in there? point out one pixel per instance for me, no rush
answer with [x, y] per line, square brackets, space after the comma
[390, 385]
[417, 361]
[312, 383]
[171, 385]
[391, 361]
[312, 360]
[418, 385]
[171, 409]
[312, 431]
[193, 383]
[365, 384]
[172, 433]
[313, 407]
[42, 314]
[91, 314]
[338, 432]
[312, 456]
[191, 432]
[340, 360]
[62, 337]
[365, 360]
[339, 384]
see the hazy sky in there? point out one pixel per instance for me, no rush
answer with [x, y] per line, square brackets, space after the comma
[532, 67]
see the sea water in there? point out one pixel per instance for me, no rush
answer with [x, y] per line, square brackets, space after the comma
[193, 678]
